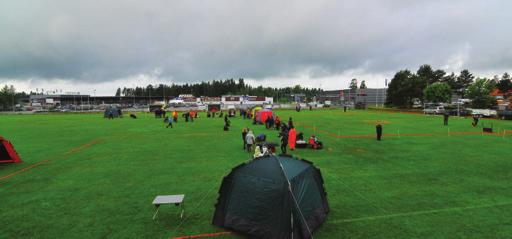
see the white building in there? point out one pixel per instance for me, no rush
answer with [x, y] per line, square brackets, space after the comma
[246, 100]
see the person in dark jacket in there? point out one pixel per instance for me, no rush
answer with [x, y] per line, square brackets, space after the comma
[244, 134]
[475, 120]
[446, 115]
[284, 139]
[226, 121]
[378, 128]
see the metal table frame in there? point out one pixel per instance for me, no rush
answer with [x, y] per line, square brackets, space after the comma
[178, 200]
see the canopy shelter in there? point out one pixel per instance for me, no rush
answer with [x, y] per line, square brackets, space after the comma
[7, 152]
[255, 110]
[263, 115]
[112, 112]
[213, 107]
[272, 197]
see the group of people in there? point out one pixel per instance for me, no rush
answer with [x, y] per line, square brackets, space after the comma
[246, 113]
[271, 122]
[287, 134]
[446, 116]
[250, 139]
[256, 144]
[189, 116]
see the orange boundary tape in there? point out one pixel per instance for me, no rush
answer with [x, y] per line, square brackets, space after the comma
[203, 235]
[396, 135]
[71, 151]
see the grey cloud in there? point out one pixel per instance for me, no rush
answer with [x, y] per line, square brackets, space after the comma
[200, 40]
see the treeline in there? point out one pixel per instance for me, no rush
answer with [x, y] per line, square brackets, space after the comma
[9, 97]
[429, 85]
[216, 88]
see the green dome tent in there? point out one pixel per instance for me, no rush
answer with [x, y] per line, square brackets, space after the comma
[272, 197]
[112, 112]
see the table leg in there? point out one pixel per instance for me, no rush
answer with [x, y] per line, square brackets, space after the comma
[182, 210]
[157, 208]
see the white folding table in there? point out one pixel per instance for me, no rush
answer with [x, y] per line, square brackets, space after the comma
[177, 200]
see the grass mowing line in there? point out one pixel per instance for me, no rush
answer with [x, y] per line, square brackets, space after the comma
[71, 151]
[419, 213]
[203, 235]
[356, 192]
[200, 202]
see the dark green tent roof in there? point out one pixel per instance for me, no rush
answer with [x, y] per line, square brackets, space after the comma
[256, 199]
[268, 167]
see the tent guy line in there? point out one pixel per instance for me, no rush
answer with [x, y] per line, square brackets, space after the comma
[397, 135]
[69, 152]
[215, 234]
[356, 192]
[453, 209]
[201, 201]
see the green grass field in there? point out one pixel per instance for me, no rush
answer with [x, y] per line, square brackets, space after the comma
[87, 177]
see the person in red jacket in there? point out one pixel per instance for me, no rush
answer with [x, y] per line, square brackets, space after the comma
[292, 135]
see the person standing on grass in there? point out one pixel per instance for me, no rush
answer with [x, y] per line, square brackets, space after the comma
[290, 123]
[249, 140]
[186, 115]
[446, 115]
[226, 120]
[169, 122]
[378, 128]
[244, 134]
[175, 116]
[284, 139]
[292, 134]
[475, 120]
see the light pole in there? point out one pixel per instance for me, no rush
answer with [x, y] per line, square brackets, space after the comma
[376, 97]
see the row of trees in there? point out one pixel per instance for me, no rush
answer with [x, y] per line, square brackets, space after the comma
[217, 88]
[429, 85]
[9, 97]
[353, 85]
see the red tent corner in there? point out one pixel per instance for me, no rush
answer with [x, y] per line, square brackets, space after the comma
[7, 152]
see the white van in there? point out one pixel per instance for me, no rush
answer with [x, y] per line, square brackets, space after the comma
[434, 110]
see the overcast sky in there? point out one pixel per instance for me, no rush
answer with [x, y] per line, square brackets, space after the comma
[81, 45]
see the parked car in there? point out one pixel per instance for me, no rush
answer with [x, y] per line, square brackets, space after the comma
[505, 114]
[461, 112]
[484, 112]
[434, 110]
